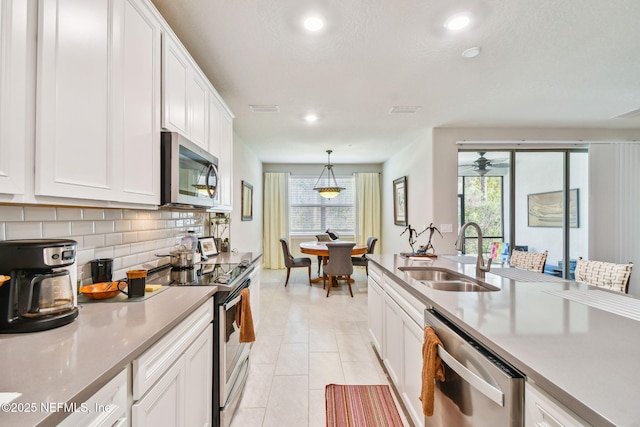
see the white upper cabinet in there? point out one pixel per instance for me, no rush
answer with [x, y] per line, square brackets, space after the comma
[140, 64]
[97, 129]
[199, 105]
[74, 155]
[175, 86]
[15, 96]
[185, 94]
[225, 165]
[221, 146]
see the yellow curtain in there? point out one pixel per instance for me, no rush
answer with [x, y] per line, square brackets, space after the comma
[275, 217]
[367, 206]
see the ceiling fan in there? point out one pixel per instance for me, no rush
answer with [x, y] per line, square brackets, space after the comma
[483, 166]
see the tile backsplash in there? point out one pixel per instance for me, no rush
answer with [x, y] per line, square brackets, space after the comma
[131, 237]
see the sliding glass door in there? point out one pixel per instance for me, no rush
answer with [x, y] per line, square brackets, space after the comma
[539, 205]
[531, 200]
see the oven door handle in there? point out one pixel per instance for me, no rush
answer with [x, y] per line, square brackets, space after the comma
[232, 302]
[493, 393]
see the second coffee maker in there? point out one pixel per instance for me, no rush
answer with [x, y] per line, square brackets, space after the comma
[101, 270]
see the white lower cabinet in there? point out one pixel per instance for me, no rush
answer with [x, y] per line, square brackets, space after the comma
[393, 344]
[106, 408]
[198, 380]
[412, 336]
[376, 309]
[173, 380]
[395, 319]
[163, 404]
[541, 410]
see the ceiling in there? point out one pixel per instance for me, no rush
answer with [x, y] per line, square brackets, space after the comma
[544, 63]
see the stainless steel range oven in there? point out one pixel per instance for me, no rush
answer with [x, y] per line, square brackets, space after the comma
[230, 356]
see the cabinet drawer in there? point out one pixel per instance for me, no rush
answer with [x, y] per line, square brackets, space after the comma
[544, 411]
[375, 273]
[410, 304]
[106, 408]
[150, 366]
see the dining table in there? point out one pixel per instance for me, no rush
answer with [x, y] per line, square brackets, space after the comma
[320, 249]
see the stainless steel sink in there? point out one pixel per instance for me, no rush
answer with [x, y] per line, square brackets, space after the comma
[446, 280]
[432, 273]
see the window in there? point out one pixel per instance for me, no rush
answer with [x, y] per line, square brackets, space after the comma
[481, 200]
[311, 214]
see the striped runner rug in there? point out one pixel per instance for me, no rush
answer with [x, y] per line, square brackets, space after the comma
[361, 406]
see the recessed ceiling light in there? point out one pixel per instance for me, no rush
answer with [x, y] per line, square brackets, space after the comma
[471, 52]
[310, 118]
[457, 22]
[313, 23]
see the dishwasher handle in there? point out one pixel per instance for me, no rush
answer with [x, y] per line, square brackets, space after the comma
[493, 393]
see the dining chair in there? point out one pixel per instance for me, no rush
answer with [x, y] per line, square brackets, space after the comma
[322, 238]
[339, 264]
[532, 261]
[291, 262]
[362, 261]
[603, 274]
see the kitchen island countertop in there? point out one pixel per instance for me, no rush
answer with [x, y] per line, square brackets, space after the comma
[585, 357]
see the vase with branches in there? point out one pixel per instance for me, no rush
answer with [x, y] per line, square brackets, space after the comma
[220, 223]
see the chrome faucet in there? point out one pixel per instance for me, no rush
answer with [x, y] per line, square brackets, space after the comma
[480, 267]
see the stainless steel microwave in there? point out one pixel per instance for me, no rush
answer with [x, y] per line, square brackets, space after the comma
[188, 172]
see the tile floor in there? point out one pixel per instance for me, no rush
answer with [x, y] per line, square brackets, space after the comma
[304, 342]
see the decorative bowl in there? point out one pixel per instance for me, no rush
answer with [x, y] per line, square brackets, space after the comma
[102, 290]
[4, 279]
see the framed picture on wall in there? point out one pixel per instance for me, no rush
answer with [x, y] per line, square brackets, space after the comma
[400, 201]
[247, 202]
[545, 209]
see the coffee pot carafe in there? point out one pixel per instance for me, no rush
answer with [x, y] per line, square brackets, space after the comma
[40, 293]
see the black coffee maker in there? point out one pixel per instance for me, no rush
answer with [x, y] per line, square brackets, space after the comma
[40, 293]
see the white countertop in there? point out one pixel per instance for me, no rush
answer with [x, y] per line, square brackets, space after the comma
[70, 363]
[586, 358]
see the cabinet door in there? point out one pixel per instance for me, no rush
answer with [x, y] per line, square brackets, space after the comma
[412, 336]
[198, 110]
[199, 380]
[225, 196]
[376, 317]
[541, 410]
[140, 95]
[106, 408]
[175, 86]
[393, 344]
[163, 405]
[215, 121]
[15, 50]
[74, 147]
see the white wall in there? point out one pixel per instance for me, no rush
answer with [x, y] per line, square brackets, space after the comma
[416, 162]
[246, 236]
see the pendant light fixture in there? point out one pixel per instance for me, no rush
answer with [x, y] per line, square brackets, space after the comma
[331, 189]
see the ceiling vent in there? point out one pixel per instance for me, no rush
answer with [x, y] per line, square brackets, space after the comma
[633, 114]
[404, 109]
[264, 108]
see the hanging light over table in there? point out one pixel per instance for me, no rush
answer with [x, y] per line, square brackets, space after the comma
[331, 189]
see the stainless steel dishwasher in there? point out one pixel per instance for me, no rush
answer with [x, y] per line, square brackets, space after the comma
[480, 389]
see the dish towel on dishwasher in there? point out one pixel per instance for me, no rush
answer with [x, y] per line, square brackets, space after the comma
[244, 319]
[432, 369]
